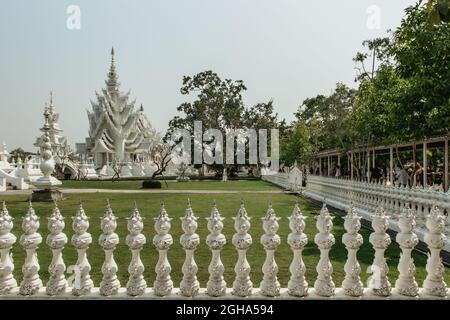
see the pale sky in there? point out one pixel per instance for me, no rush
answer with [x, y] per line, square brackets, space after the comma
[285, 50]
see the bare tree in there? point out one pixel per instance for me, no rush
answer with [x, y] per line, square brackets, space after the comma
[161, 154]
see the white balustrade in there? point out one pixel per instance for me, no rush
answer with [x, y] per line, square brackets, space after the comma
[380, 240]
[189, 286]
[378, 286]
[163, 284]
[81, 240]
[406, 283]
[108, 241]
[7, 240]
[297, 240]
[324, 285]
[135, 240]
[56, 240]
[270, 286]
[352, 240]
[242, 285]
[30, 241]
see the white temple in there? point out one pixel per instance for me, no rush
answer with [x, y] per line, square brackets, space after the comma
[117, 131]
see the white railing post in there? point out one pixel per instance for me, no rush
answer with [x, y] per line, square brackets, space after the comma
[135, 240]
[81, 240]
[434, 283]
[270, 286]
[242, 285]
[297, 240]
[7, 240]
[56, 240]
[324, 285]
[406, 283]
[189, 286]
[216, 285]
[352, 285]
[380, 240]
[108, 240]
[30, 241]
[163, 284]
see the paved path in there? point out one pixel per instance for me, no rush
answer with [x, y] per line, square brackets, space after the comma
[156, 191]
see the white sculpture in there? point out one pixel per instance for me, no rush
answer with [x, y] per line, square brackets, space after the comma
[380, 240]
[81, 241]
[297, 240]
[270, 240]
[434, 283]
[407, 239]
[108, 240]
[324, 285]
[30, 241]
[352, 284]
[242, 285]
[216, 285]
[7, 239]
[163, 284]
[56, 240]
[189, 286]
[136, 284]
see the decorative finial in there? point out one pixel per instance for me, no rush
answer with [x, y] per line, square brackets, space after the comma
[112, 52]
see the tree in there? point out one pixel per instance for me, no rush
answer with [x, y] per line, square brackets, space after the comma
[297, 146]
[161, 157]
[20, 153]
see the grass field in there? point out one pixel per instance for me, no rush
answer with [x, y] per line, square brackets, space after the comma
[228, 205]
[247, 185]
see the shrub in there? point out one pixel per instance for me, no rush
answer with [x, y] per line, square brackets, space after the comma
[151, 184]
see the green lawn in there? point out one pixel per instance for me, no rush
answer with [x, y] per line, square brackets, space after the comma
[245, 185]
[228, 205]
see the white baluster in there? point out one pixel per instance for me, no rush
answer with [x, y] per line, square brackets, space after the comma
[189, 286]
[81, 241]
[7, 239]
[56, 240]
[135, 240]
[380, 240]
[406, 284]
[297, 285]
[242, 285]
[352, 240]
[270, 286]
[163, 284]
[324, 285]
[108, 240]
[434, 283]
[30, 241]
[216, 286]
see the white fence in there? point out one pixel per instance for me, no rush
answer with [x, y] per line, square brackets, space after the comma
[378, 286]
[366, 197]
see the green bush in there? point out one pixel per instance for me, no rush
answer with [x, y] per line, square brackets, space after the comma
[151, 184]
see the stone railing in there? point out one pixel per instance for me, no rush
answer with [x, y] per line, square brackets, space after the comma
[280, 179]
[366, 197]
[405, 287]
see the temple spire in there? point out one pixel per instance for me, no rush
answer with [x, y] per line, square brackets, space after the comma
[112, 83]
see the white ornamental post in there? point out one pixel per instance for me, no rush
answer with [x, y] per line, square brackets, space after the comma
[189, 286]
[216, 286]
[324, 285]
[135, 240]
[7, 239]
[406, 284]
[56, 240]
[434, 283]
[270, 286]
[163, 284]
[297, 240]
[380, 240]
[81, 241]
[242, 285]
[30, 241]
[352, 240]
[108, 240]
